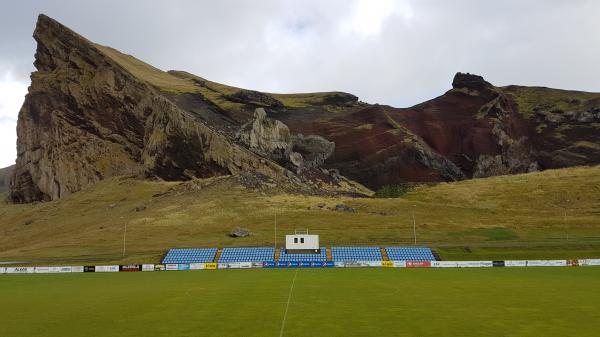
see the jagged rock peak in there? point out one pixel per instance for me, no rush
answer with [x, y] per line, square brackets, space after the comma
[470, 81]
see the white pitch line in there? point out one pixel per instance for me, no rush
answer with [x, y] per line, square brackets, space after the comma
[288, 304]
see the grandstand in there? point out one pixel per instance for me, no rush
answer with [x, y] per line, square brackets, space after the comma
[190, 255]
[322, 256]
[342, 254]
[409, 254]
[254, 254]
[262, 254]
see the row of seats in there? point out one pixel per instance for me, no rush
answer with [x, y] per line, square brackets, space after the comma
[261, 254]
[254, 254]
[321, 256]
[190, 255]
[342, 254]
[409, 254]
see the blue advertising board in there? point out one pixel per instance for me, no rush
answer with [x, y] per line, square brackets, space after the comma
[183, 266]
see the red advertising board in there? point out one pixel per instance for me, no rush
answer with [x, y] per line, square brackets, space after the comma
[418, 264]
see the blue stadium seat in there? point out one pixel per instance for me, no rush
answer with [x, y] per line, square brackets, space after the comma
[409, 254]
[190, 255]
[254, 254]
[344, 254]
[322, 256]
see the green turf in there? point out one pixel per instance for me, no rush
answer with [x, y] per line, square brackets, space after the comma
[332, 302]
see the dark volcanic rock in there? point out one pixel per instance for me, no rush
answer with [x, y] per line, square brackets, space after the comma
[470, 81]
[92, 112]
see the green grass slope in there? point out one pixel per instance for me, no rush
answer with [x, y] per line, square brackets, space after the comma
[335, 302]
[551, 214]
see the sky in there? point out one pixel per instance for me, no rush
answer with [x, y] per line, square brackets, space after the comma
[396, 52]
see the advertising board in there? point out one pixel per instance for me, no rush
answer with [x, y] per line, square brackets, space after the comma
[546, 263]
[515, 263]
[210, 265]
[387, 264]
[77, 269]
[42, 270]
[159, 267]
[89, 269]
[444, 264]
[418, 264]
[130, 267]
[589, 262]
[196, 266]
[183, 266]
[107, 269]
[147, 267]
[171, 266]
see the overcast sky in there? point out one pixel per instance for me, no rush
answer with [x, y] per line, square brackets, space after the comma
[390, 52]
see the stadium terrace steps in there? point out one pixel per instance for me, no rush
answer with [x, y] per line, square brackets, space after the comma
[329, 256]
[218, 255]
[384, 254]
[277, 254]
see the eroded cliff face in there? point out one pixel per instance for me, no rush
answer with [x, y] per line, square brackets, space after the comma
[86, 118]
[93, 112]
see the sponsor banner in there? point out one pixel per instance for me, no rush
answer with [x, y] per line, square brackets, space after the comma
[196, 266]
[245, 265]
[171, 266]
[358, 264]
[256, 264]
[229, 265]
[287, 264]
[418, 264]
[107, 269]
[387, 264]
[444, 264]
[589, 262]
[89, 269]
[399, 264]
[63, 269]
[42, 270]
[2, 270]
[147, 267]
[498, 263]
[546, 263]
[77, 269]
[130, 267]
[210, 265]
[159, 267]
[183, 266]
[268, 264]
[20, 270]
[515, 263]
[474, 264]
[339, 264]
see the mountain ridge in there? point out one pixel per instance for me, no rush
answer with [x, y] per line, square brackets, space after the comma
[93, 112]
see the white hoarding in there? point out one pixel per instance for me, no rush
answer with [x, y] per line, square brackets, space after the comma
[42, 270]
[399, 264]
[444, 264]
[77, 269]
[546, 263]
[107, 269]
[515, 263]
[147, 267]
[172, 266]
[196, 266]
[589, 262]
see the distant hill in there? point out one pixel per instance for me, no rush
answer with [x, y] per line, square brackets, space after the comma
[93, 112]
[550, 214]
[5, 174]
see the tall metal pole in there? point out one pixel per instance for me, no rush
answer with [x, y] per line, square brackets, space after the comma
[414, 224]
[124, 238]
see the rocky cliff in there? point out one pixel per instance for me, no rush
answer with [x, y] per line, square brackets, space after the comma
[93, 112]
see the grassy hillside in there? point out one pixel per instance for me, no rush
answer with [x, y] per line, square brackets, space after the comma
[552, 214]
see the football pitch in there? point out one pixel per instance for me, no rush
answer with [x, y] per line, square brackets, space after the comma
[540, 301]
